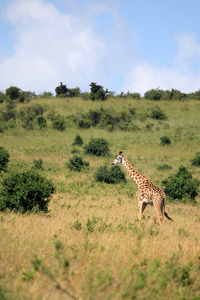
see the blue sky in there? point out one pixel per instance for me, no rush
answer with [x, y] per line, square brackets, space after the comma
[123, 45]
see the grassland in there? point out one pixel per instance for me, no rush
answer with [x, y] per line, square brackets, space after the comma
[90, 246]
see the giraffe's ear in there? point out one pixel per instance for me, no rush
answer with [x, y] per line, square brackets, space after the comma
[120, 153]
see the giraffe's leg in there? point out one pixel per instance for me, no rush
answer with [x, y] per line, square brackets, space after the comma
[159, 210]
[142, 205]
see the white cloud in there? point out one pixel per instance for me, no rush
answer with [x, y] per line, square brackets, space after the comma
[182, 76]
[88, 42]
[50, 47]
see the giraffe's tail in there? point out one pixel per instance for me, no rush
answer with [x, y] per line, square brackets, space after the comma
[166, 215]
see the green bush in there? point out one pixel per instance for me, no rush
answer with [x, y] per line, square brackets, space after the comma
[196, 159]
[154, 94]
[25, 192]
[78, 141]
[83, 124]
[157, 114]
[38, 164]
[165, 140]
[110, 175]
[41, 121]
[181, 186]
[4, 159]
[97, 147]
[59, 123]
[77, 164]
[61, 90]
[13, 92]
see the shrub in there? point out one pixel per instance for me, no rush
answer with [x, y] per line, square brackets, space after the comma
[77, 164]
[164, 167]
[61, 90]
[38, 164]
[13, 92]
[165, 140]
[2, 97]
[84, 124]
[196, 159]
[25, 192]
[98, 147]
[9, 113]
[110, 175]
[181, 186]
[157, 114]
[154, 94]
[41, 121]
[97, 92]
[4, 159]
[78, 141]
[59, 123]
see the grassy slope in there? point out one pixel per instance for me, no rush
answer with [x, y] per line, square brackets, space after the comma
[110, 257]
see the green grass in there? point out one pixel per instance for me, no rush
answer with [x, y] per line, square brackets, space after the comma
[90, 245]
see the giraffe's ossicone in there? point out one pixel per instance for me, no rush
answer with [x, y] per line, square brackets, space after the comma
[147, 192]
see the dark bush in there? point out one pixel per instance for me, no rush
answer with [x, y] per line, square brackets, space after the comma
[97, 92]
[110, 175]
[78, 141]
[41, 122]
[61, 90]
[165, 140]
[2, 97]
[157, 114]
[74, 92]
[83, 124]
[76, 163]
[181, 186]
[59, 123]
[13, 92]
[25, 192]
[4, 159]
[9, 113]
[154, 94]
[98, 147]
[196, 159]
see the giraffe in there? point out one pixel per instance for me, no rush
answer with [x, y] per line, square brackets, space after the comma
[147, 192]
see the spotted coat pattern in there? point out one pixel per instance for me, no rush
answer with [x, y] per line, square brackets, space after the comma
[148, 193]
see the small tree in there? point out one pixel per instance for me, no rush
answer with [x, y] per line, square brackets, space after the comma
[4, 159]
[110, 175]
[13, 92]
[181, 186]
[78, 141]
[97, 147]
[61, 90]
[154, 94]
[196, 159]
[25, 192]
[97, 92]
[165, 140]
[157, 114]
[77, 164]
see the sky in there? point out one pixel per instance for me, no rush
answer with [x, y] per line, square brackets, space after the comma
[123, 45]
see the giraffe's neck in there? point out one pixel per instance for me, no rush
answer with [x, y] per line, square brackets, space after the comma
[134, 174]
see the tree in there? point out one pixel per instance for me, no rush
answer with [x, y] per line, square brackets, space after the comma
[97, 92]
[181, 186]
[26, 191]
[61, 90]
[13, 92]
[4, 159]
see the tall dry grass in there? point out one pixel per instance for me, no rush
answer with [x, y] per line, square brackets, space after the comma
[90, 246]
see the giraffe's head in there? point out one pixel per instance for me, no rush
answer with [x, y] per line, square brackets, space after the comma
[118, 159]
